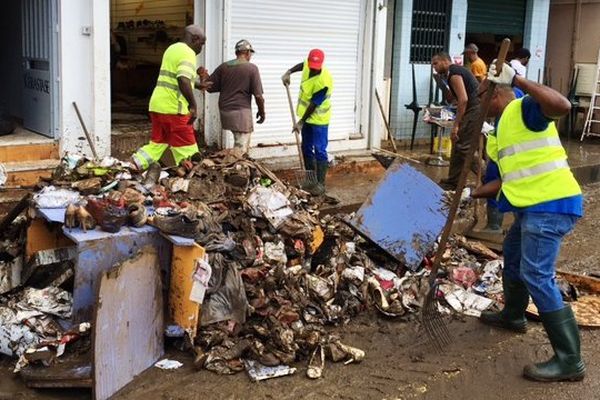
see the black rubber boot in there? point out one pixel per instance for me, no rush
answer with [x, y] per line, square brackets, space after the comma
[566, 364]
[311, 165]
[494, 220]
[512, 316]
[322, 167]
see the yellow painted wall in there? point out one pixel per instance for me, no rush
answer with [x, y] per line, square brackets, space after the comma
[142, 45]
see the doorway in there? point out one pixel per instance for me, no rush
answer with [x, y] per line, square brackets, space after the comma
[141, 30]
[29, 69]
[487, 29]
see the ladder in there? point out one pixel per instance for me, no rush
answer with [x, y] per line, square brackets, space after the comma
[592, 125]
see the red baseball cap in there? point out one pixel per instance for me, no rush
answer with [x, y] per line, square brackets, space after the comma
[315, 59]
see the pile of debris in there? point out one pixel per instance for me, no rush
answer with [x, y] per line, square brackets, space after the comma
[277, 274]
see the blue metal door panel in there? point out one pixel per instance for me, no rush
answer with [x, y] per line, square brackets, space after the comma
[404, 215]
[40, 66]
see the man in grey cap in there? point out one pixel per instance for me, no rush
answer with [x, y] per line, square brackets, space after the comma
[237, 81]
[476, 64]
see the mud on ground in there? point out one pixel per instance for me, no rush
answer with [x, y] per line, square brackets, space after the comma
[482, 362]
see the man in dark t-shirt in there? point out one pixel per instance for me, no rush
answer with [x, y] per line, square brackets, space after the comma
[463, 89]
[237, 81]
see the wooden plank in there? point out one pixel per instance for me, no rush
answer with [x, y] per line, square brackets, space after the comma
[42, 236]
[73, 371]
[129, 323]
[28, 152]
[183, 311]
[586, 283]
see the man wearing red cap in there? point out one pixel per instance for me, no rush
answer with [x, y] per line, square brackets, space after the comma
[314, 111]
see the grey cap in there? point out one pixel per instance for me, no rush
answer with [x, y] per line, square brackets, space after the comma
[243, 45]
[471, 47]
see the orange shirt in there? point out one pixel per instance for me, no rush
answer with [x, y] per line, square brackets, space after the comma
[479, 69]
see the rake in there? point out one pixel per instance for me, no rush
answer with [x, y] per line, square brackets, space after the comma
[431, 318]
[304, 177]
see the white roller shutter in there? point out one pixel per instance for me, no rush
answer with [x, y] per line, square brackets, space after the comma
[282, 33]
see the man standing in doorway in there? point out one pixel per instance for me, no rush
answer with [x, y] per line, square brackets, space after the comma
[314, 110]
[463, 89]
[172, 105]
[519, 63]
[476, 64]
[237, 81]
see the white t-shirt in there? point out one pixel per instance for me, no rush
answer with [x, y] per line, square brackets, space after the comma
[519, 68]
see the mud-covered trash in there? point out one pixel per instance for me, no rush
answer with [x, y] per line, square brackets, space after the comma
[258, 372]
[168, 364]
[464, 301]
[200, 279]
[52, 197]
[490, 280]
[10, 274]
[226, 298]
[269, 204]
[464, 276]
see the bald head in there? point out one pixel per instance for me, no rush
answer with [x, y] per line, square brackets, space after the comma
[503, 94]
[194, 36]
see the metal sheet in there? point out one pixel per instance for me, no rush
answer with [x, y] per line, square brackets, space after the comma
[129, 323]
[183, 311]
[99, 252]
[404, 215]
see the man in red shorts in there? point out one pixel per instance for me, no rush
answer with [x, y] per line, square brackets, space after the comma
[172, 105]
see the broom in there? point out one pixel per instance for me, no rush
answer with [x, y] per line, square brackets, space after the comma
[431, 318]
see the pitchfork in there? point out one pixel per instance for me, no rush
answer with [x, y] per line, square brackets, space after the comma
[431, 318]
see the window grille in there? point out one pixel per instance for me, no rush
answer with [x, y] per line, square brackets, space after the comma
[430, 29]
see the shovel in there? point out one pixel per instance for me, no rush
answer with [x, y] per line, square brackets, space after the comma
[432, 320]
[304, 177]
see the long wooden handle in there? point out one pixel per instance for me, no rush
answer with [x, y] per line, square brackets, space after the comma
[87, 134]
[385, 121]
[462, 180]
[289, 97]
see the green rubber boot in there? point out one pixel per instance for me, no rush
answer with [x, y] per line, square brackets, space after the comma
[494, 220]
[322, 167]
[311, 165]
[512, 316]
[566, 364]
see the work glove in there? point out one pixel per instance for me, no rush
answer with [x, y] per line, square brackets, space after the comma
[506, 77]
[285, 78]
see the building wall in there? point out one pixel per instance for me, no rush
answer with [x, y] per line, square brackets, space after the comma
[560, 39]
[534, 38]
[371, 60]
[401, 119]
[11, 69]
[85, 75]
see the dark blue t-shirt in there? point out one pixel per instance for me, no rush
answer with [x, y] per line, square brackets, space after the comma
[535, 120]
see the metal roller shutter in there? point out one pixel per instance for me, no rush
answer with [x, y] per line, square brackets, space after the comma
[505, 17]
[282, 33]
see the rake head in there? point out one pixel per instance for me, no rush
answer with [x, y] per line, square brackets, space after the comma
[306, 178]
[433, 321]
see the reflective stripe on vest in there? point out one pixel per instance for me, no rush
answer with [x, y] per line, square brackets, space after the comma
[176, 62]
[526, 146]
[308, 87]
[533, 165]
[537, 170]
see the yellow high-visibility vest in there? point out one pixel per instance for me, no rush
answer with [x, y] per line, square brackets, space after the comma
[178, 60]
[533, 165]
[308, 87]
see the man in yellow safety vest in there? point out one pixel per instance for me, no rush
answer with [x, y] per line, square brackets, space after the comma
[172, 105]
[314, 110]
[538, 186]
